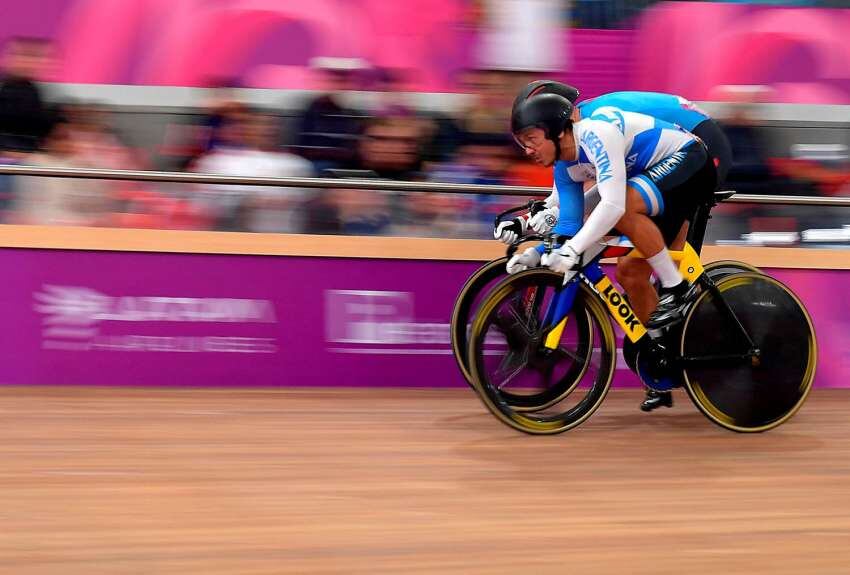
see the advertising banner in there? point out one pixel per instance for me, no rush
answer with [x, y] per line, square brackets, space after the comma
[151, 319]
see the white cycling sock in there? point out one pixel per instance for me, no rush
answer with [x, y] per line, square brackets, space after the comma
[663, 266]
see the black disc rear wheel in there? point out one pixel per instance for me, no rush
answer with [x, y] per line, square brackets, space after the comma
[763, 391]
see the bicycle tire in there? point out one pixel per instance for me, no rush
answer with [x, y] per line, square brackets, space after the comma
[723, 268]
[750, 396]
[463, 308]
[535, 422]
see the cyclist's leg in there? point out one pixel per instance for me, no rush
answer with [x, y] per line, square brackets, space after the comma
[633, 274]
[638, 225]
[672, 189]
[645, 234]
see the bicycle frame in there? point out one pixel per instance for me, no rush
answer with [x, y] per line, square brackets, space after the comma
[618, 308]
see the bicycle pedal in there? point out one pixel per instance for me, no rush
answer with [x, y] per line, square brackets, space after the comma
[652, 374]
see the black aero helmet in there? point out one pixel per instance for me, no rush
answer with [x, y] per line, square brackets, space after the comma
[549, 112]
[545, 113]
[547, 105]
[547, 87]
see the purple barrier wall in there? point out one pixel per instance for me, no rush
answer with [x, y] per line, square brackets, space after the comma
[110, 318]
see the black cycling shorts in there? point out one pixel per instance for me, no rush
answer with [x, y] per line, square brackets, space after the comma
[673, 188]
[718, 147]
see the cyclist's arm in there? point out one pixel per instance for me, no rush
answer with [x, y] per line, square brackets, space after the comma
[553, 199]
[605, 148]
[570, 199]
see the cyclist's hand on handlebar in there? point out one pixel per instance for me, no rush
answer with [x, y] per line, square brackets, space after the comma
[520, 262]
[543, 221]
[510, 231]
[561, 260]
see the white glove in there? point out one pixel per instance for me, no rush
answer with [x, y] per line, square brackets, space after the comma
[520, 262]
[509, 232]
[543, 221]
[561, 260]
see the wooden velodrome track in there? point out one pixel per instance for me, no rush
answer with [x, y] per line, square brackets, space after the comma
[115, 481]
[325, 481]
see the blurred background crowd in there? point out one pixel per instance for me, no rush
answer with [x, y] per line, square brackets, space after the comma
[295, 95]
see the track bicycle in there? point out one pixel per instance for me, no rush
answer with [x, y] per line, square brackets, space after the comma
[541, 351]
[485, 277]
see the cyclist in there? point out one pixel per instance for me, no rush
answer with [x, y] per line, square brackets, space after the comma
[668, 107]
[651, 175]
[633, 273]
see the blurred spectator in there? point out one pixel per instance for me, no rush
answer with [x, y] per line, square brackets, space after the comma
[481, 159]
[388, 149]
[96, 144]
[488, 155]
[249, 139]
[60, 201]
[24, 117]
[428, 214]
[328, 129]
[133, 204]
[389, 146]
[184, 143]
[489, 109]
[140, 207]
[359, 212]
[438, 133]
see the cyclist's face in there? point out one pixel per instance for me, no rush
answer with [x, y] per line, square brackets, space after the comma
[534, 143]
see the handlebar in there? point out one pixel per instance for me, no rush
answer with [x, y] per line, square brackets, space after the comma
[549, 242]
[513, 247]
[531, 206]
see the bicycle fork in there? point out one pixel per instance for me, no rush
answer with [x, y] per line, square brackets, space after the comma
[558, 313]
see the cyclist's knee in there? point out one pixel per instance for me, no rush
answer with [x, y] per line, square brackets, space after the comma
[632, 272]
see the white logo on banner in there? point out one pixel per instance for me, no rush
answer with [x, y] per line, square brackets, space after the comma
[73, 314]
[374, 322]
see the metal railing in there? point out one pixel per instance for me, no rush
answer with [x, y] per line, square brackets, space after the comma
[359, 184]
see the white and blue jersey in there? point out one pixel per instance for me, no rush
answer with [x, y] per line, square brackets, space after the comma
[614, 148]
[667, 107]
